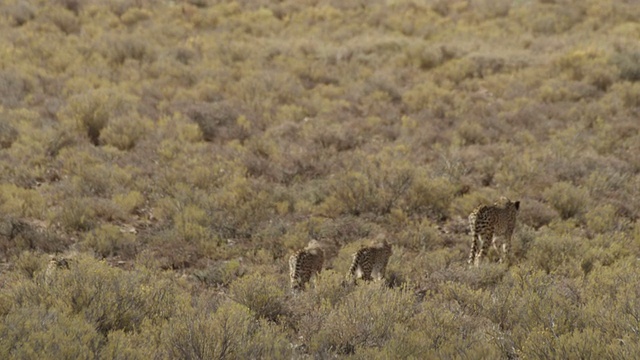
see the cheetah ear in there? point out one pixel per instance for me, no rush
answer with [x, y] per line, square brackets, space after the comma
[517, 203]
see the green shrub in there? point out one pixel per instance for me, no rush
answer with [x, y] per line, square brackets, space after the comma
[91, 111]
[64, 19]
[328, 288]
[134, 16]
[121, 345]
[365, 318]
[556, 253]
[76, 214]
[58, 140]
[8, 134]
[218, 121]
[117, 49]
[627, 63]
[21, 202]
[378, 189]
[590, 65]
[222, 273]
[130, 202]
[569, 200]
[431, 195]
[602, 218]
[20, 13]
[29, 264]
[229, 332]
[108, 240]
[124, 132]
[105, 297]
[262, 294]
[32, 332]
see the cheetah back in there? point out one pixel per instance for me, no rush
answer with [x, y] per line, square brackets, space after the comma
[370, 260]
[486, 222]
[303, 265]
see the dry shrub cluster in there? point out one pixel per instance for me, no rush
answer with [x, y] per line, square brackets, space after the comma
[168, 156]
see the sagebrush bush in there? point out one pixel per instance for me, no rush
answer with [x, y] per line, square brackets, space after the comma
[48, 333]
[194, 162]
[107, 298]
[91, 111]
[221, 273]
[108, 240]
[124, 132]
[364, 318]
[567, 199]
[229, 332]
[263, 294]
[556, 253]
[8, 134]
[20, 202]
[431, 195]
[76, 214]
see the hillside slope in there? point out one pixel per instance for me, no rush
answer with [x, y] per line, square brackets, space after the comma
[177, 152]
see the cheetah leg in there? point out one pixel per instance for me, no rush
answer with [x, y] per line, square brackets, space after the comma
[484, 248]
[474, 249]
[506, 249]
[479, 251]
[366, 273]
[378, 273]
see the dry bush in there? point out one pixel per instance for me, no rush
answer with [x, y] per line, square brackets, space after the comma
[29, 263]
[106, 298]
[109, 240]
[14, 87]
[18, 235]
[20, 13]
[569, 200]
[118, 49]
[218, 121]
[124, 132]
[91, 111]
[65, 20]
[221, 273]
[627, 60]
[379, 187]
[58, 140]
[343, 229]
[229, 332]
[76, 214]
[431, 196]
[556, 253]
[37, 331]
[535, 213]
[263, 294]
[363, 319]
[8, 134]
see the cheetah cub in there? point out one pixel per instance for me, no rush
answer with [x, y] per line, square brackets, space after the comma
[370, 262]
[489, 221]
[304, 264]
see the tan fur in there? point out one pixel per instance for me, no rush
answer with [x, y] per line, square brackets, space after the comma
[487, 222]
[370, 262]
[305, 263]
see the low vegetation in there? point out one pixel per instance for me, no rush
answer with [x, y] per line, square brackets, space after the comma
[177, 152]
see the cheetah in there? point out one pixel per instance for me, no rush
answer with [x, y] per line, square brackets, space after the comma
[370, 262]
[56, 264]
[489, 221]
[304, 264]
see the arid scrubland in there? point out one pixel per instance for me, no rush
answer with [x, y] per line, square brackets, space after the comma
[176, 153]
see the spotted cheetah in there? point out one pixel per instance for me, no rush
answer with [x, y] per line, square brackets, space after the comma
[304, 264]
[56, 264]
[370, 262]
[489, 221]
